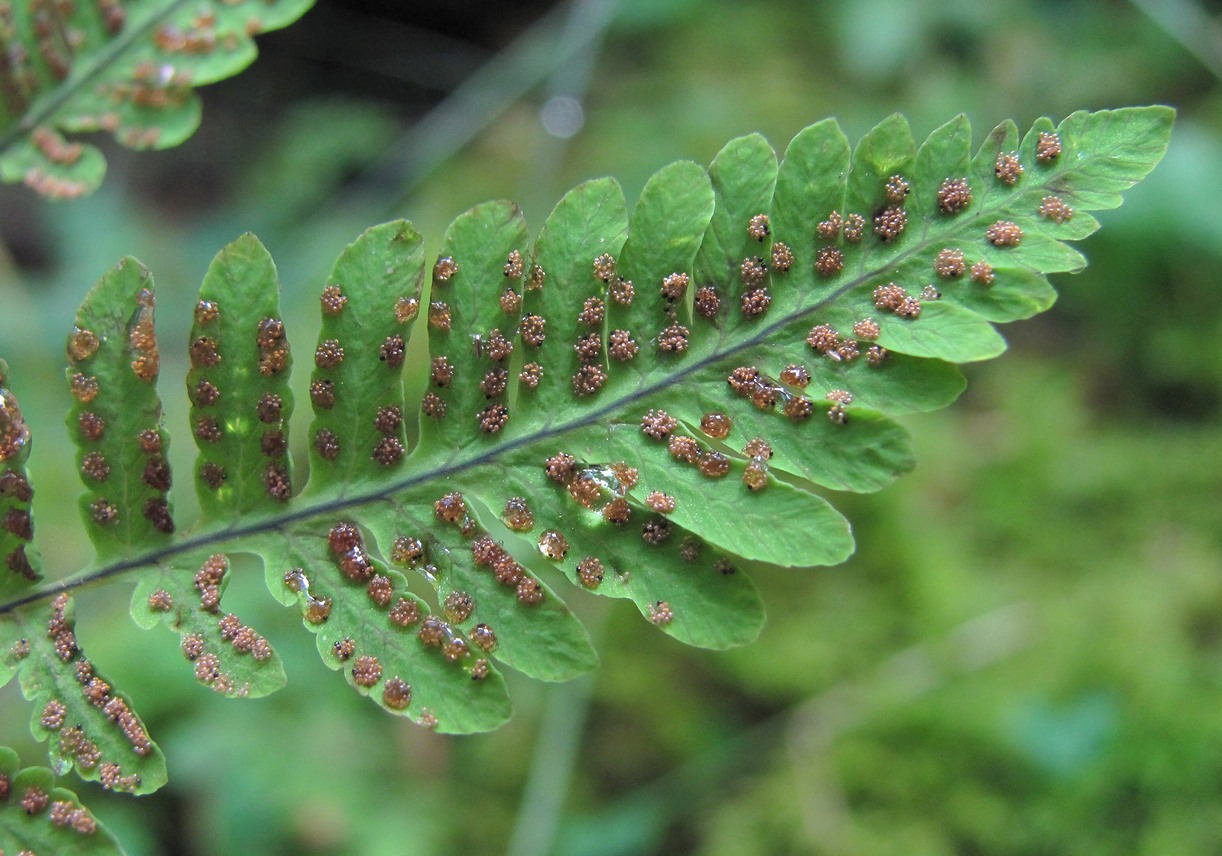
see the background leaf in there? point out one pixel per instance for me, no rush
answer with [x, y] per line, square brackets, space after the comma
[124, 67]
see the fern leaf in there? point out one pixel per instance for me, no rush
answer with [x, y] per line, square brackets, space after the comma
[124, 66]
[641, 403]
[36, 816]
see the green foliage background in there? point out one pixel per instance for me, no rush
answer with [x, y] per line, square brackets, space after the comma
[1023, 657]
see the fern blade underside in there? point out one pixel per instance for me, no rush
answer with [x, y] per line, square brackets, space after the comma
[128, 67]
[639, 402]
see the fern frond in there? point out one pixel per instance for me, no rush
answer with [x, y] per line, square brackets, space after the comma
[638, 403]
[124, 66]
[36, 816]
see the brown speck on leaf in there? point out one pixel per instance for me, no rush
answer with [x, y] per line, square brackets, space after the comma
[406, 309]
[445, 268]
[673, 339]
[322, 394]
[896, 189]
[388, 451]
[494, 383]
[854, 228]
[928, 292]
[586, 491]
[1008, 169]
[1047, 148]
[366, 671]
[156, 473]
[344, 649]
[759, 227]
[388, 419]
[397, 694]
[439, 316]
[333, 300]
[433, 405]
[553, 545]
[329, 354]
[707, 302]
[393, 351]
[829, 261]
[950, 263]
[755, 302]
[782, 257]
[752, 272]
[517, 515]
[589, 348]
[82, 344]
[206, 312]
[511, 302]
[954, 195]
[982, 273]
[590, 572]
[829, 229]
[432, 632]
[529, 591]
[270, 408]
[866, 328]
[1004, 234]
[589, 379]
[530, 375]
[593, 311]
[1054, 208]
[713, 465]
[514, 267]
[84, 387]
[622, 291]
[157, 512]
[407, 551]
[795, 375]
[716, 425]
[458, 606]
[662, 503]
[404, 613]
[890, 223]
[537, 277]
[455, 649]
[204, 353]
[207, 429]
[326, 444]
[276, 481]
[213, 475]
[160, 601]
[674, 286]
[660, 613]
[483, 638]
[451, 508]
[380, 590]
[656, 531]
[95, 467]
[604, 267]
[493, 418]
[532, 329]
[683, 449]
[658, 424]
[617, 511]
[92, 426]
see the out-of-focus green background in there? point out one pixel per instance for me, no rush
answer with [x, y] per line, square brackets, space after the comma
[1023, 657]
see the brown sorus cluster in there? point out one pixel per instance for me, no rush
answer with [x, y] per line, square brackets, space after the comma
[950, 263]
[1004, 233]
[1047, 148]
[1008, 169]
[954, 195]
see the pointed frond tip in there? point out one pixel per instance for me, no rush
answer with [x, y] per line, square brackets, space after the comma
[114, 65]
[640, 402]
